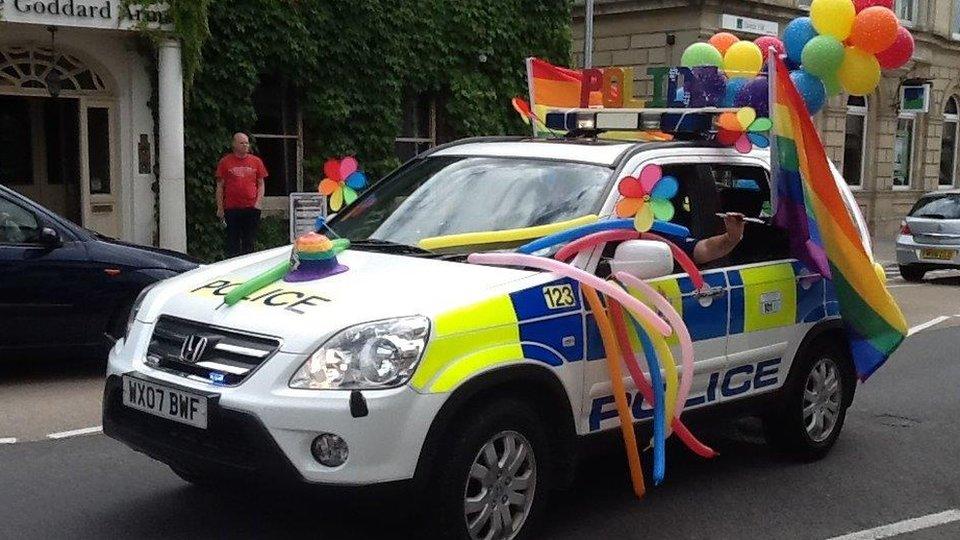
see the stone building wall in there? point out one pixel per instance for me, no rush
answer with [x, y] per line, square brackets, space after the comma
[639, 34]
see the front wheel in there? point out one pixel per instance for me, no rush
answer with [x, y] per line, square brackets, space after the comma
[494, 481]
[813, 404]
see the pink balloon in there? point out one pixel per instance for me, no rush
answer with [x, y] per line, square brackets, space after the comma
[765, 42]
[649, 176]
[636, 307]
[861, 5]
[348, 166]
[899, 53]
[571, 250]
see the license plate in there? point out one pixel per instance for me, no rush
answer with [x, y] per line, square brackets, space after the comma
[937, 254]
[165, 402]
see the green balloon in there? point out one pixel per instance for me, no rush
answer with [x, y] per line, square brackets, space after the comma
[701, 54]
[822, 56]
[832, 85]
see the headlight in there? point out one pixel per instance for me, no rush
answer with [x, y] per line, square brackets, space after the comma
[135, 307]
[380, 354]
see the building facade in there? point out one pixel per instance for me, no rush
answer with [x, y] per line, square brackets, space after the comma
[77, 131]
[888, 156]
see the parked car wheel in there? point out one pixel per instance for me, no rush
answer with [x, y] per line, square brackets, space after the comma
[812, 406]
[495, 480]
[912, 272]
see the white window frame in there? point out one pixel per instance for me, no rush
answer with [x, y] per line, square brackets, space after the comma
[282, 202]
[915, 8]
[913, 145]
[856, 110]
[431, 138]
[955, 20]
[954, 119]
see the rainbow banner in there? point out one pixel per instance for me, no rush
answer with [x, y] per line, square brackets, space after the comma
[552, 87]
[823, 234]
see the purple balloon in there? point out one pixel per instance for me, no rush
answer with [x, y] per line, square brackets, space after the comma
[712, 85]
[754, 94]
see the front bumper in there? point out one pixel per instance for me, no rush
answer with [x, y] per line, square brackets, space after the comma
[908, 253]
[264, 428]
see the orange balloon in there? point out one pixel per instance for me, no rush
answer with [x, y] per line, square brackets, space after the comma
[874, 29]
[723, 40]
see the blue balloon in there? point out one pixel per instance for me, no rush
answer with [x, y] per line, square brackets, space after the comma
[733, 88]
[569, 235]
[797, 33]
[811, 89]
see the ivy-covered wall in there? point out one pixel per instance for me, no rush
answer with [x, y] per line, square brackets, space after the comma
[351, 62]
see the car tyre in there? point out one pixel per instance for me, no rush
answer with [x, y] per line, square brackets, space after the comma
[809, 413]
[494, 476]
[912, 272]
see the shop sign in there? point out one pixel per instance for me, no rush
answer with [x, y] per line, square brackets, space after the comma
[915, 99]
[106, 14]
[747, 25]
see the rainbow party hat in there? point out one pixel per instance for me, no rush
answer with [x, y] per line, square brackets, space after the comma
[315, 257]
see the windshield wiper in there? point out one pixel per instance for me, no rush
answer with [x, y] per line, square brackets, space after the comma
[387, 246]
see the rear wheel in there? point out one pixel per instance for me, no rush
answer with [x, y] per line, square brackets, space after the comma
[813, 404]
[912, 272]
[495, 480]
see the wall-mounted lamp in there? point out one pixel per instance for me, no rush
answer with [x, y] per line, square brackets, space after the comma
[52, 80]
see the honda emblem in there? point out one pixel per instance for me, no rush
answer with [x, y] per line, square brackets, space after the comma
[193, 347]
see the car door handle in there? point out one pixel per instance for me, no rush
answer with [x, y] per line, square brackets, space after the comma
[710, 292]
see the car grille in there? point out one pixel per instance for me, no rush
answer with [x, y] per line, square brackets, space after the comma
[205, 352]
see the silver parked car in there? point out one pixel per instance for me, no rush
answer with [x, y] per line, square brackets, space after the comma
[929, 237]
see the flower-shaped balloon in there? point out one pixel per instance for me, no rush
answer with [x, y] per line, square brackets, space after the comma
[743, 130]
[647, 198]
[341, 181]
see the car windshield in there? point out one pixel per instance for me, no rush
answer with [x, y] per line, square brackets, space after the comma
[942, 206]
[444, 195]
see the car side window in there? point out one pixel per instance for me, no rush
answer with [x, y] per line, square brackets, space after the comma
[17, 224]
[746, 189]
[693, 195]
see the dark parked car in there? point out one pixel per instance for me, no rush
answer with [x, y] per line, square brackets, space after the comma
[66, 289]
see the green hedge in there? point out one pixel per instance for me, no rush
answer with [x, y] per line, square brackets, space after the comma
[351, 62]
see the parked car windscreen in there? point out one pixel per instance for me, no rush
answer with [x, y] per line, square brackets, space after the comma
[439, 196]
[939, 206]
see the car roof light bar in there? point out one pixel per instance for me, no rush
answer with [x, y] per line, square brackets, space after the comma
[669, 120]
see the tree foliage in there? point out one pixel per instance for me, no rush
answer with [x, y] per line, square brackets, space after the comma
[351, 63]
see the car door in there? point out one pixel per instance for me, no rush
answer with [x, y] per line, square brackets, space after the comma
[773, 298]
[704, 312]
[42, 286]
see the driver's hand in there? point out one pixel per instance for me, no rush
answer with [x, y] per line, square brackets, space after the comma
[733, 221]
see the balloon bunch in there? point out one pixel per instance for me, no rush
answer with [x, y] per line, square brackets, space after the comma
[840, 47]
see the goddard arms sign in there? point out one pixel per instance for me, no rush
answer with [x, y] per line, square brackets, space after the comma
[107, 14]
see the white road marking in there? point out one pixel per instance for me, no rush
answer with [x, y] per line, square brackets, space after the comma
[75, 432]
[928, 324]
[905, 526]
[900, 285]
[8, 440]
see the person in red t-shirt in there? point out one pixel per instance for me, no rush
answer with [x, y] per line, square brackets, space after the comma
[240, 176]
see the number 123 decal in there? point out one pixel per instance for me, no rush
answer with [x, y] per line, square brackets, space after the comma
[559, 296]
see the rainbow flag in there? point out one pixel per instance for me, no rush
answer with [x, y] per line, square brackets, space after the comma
[553, 87]
[823, 234]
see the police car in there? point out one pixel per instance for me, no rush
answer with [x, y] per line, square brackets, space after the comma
[474, 384]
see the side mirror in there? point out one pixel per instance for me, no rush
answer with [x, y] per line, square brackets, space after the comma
[50, 238]
[643, 259]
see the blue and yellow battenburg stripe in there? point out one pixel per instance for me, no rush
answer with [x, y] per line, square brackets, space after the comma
[550, 323]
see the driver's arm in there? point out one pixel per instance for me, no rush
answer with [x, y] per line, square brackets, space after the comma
[721, 245]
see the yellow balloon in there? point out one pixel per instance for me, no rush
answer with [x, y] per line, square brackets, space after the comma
[833, 17]
[859, 73]
[743, 59]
